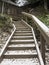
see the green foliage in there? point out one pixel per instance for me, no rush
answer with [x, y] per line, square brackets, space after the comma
[42, 14]
[5, 23]
[44, 19]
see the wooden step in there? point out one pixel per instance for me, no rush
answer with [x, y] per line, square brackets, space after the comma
[23, 27]
[23, 31]
[15, 41]
[20, 26]
[27, 33]
[21, 42]
[22, 37]
[23, 34]
[21, 46]
[20, 54]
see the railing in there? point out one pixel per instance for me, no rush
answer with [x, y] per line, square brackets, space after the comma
[44, 31]
[36, 44]
[7, 42]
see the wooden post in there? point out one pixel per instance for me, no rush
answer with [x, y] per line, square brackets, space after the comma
[26, 19]
[2, 7]
[42, 40]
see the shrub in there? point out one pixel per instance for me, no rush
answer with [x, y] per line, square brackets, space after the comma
[5, 23]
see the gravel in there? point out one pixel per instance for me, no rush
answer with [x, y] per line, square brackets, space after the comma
[3, 38]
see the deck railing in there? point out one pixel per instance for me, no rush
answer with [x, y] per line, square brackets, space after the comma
[44, 31]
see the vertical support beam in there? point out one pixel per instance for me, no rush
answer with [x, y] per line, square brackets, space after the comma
[2, 7]
[26, 19]
[42, 40]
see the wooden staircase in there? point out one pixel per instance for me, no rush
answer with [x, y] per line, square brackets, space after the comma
[21, 46]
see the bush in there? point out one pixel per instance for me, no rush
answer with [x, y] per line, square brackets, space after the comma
[5, 23]
[44, 19]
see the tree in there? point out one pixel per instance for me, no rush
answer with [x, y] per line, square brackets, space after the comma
[45, 4]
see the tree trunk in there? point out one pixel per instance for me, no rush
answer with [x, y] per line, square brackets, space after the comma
[2, 7]
[45, 4]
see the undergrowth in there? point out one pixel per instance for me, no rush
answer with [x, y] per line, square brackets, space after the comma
[5, 23]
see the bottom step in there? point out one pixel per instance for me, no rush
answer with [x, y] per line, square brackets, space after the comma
[30, 61]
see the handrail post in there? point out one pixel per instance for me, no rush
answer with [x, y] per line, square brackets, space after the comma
[26, 19]
[42, 40]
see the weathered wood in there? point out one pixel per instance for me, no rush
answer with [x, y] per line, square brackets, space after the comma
[22, 36]
[22, 40]
[42, 47]
[34, 55]
[38, 51]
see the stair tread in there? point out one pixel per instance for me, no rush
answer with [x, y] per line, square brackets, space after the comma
[21, 52]
[22, 36]
[22, 31]
[23, 28]
[22, 40]
[22, 45]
